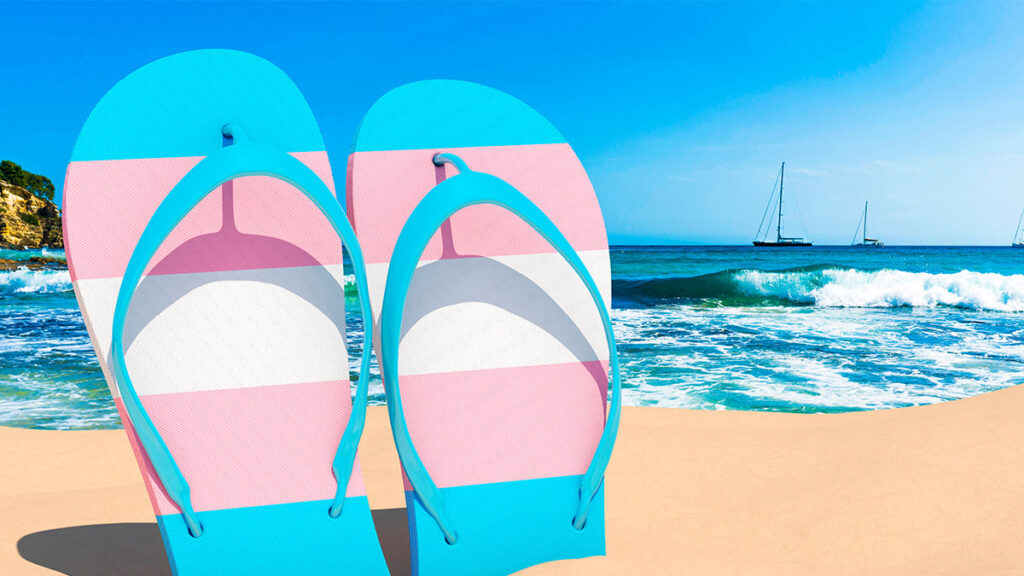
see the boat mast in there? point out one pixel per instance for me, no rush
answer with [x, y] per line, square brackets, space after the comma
[865, 222]
[1016, 237]
[782, 180]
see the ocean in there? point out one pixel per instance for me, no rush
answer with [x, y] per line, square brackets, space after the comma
[823, 329]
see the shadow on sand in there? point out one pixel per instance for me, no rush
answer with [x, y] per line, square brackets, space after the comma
[137, 550]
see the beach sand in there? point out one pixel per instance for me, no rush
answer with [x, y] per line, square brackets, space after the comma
[932, 490]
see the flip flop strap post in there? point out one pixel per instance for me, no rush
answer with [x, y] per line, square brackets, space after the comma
[467, 189]
[242, 158]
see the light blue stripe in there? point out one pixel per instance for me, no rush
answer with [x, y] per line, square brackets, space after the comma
[299, 538]
[176, 106]
[451, 114]
[505, 527]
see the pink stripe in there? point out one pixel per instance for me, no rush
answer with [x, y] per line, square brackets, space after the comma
[251, 446]
[107, 204]
[386, 186]
[506, 424]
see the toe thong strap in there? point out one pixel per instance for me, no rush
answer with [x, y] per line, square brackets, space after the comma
[466, 189]
[243, 158]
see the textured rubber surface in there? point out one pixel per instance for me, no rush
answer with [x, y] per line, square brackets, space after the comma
[298, 538]
[236, 336]
[499, 533]
[503, 356]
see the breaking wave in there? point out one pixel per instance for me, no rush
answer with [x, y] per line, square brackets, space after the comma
[25, 281]
[832, 286]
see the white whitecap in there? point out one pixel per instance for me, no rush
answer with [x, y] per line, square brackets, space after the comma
[25, 281]
[889, 288]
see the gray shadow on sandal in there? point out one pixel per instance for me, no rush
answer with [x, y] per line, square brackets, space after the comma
[166, 284]
[156, 293]
[480, 279]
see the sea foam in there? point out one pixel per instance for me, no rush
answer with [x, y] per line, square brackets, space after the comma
[25, 281]
[888, 288]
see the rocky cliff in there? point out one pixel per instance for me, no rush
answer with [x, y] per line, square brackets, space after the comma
[27, 221]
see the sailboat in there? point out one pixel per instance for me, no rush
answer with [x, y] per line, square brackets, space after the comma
[780, 240]
[864, 240]
[1018, 239]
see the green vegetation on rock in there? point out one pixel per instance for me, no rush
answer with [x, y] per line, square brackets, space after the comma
[28, 216]
[38, 185]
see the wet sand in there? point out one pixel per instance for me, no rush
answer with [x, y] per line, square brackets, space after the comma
[933, 490]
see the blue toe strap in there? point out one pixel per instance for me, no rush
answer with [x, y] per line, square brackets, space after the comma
[243, 158]
[466, 189]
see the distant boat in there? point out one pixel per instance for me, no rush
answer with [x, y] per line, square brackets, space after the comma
[863, 225]
[1018, 239]
[780, 240]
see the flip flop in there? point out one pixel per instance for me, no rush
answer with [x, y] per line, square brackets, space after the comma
[219, 317]
[497, 391]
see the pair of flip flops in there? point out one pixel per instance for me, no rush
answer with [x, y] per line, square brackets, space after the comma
[481, 261]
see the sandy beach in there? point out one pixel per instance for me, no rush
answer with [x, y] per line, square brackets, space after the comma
[931, 490]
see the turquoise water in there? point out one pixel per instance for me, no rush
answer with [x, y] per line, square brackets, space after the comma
[817, 329]
[49, 377]
[824, 329]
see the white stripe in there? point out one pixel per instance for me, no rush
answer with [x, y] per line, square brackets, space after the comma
[506, 311]
[221, 330]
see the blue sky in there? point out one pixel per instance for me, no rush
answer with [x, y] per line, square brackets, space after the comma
[680, 112]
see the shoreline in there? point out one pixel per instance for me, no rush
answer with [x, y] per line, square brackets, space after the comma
[33, 263]
[926, 490]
